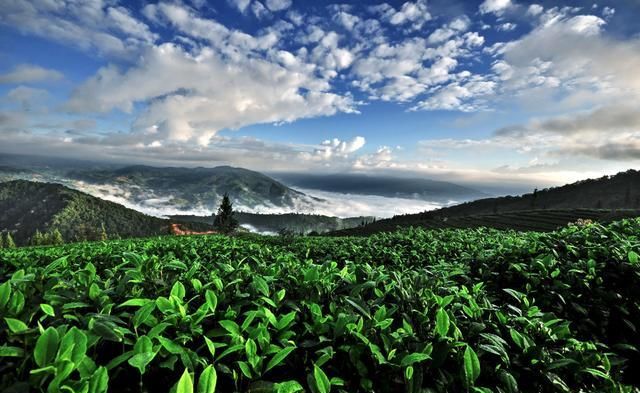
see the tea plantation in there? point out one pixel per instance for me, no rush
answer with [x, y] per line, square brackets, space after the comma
[475, 310]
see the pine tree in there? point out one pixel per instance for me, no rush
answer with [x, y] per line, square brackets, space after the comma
[8, 242]
[56, 237]
[1, 241]
[37, 239]
[103, 234]
[224, 220]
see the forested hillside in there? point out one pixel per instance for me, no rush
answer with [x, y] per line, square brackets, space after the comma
[29, 206]
[605, 199]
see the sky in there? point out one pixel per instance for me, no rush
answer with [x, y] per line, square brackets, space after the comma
[494, 91]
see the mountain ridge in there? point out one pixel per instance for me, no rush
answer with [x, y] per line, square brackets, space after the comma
[601, 197]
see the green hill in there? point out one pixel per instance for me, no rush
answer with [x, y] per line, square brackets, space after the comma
[29, 206]
[605, 199]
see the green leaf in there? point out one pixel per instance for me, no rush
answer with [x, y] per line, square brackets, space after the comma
[185, 384]
[106, 331]
[251, 349]
[99, 381]
[414, 358]
[16, 325]
[286, 320]
[323, 385]
[633, 257]
[208, 380]
[170, 345]
[178, 290]
[212, 300]
[47, 309]
[12, 352]
[141, 360]
[278, 358]
[231, 327]
[261, 285]
[471, 366]
[135, 302]
[5, 294]
[46, 347]
[73, 346]
[597, 373]
[211, 346]
[518, 339]
[408, 373]
[246, 370]
[442, 322]
[288, 387]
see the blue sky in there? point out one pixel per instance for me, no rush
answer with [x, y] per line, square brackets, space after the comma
[495, 91]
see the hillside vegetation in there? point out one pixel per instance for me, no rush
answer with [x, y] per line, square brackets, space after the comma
[412, 311]
[291, 222]
[29, 206]
[604, 199]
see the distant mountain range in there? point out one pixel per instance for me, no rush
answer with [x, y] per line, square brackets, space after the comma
[603, 199]
[27, 207]
[387, 186]
[193, 188]
[163, 191]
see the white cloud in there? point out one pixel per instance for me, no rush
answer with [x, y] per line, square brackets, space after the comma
[335, 148]
[416, 14]
[91, 25]
[494, 6]
[27, 73]
[608, 12]
[240, 5]
[278, 5]
[259, 10]
[507, 26]
[535, 9]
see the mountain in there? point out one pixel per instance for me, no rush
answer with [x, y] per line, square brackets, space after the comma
[387, 186]
[158, 190]
[293, 222]
[603, 199]
[29, 206]
[190, 188]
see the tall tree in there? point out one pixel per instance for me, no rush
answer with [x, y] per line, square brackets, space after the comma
[1, 241]
[224, 220]
[8, 242]
[56, 237]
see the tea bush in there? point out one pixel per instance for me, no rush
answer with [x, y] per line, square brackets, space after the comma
[411, 311]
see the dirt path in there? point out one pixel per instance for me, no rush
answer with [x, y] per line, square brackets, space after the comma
[178, 230]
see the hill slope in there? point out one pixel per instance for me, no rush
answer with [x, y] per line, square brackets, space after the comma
[603, 199]
[29, 206]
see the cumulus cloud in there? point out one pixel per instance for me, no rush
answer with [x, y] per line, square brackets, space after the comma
[335, 148]
[494, 6]
[233, 81]
[91, 25]
[28, 73]
[278, 5]
[535, 9]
